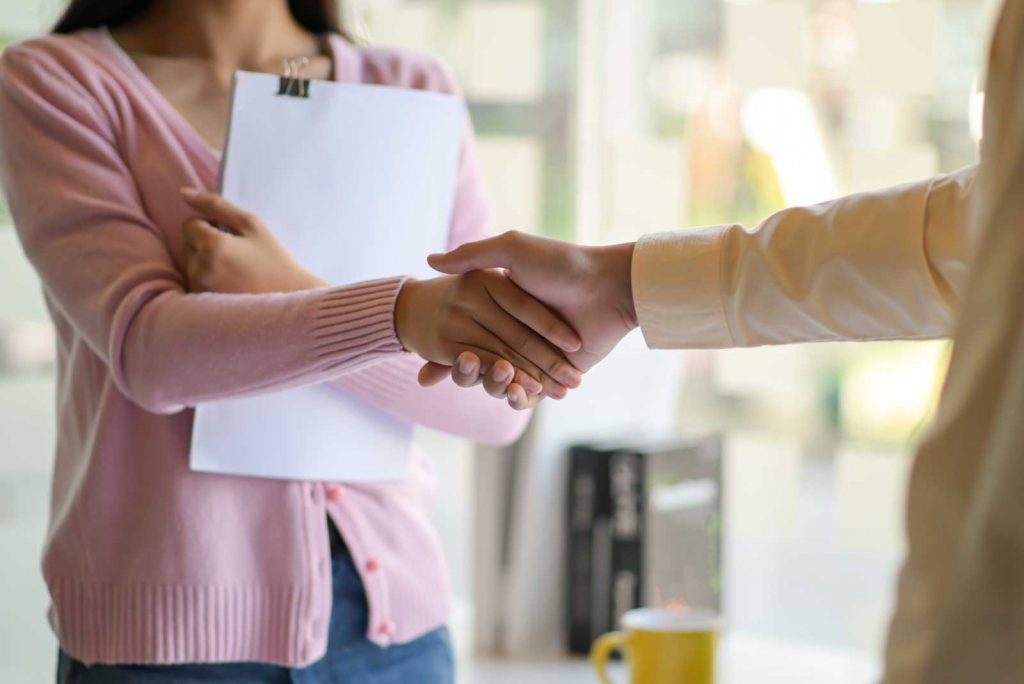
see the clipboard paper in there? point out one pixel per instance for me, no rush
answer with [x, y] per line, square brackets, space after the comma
[357, 182]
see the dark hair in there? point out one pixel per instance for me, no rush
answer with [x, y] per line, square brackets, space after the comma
[316, 16]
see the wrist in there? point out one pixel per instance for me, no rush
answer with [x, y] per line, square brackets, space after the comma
[617, 273]
[307, 281]
[404, 307]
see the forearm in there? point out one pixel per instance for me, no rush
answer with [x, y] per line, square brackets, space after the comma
[885, 265]
[179, 350]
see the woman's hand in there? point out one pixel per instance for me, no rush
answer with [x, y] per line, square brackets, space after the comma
[486, 314]
[479, 318]
[500, 381]
[249, 259]
[591, 287]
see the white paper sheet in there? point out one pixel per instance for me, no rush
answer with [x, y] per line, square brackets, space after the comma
[357, 182]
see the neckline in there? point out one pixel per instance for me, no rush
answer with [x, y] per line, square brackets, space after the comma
[191, 137]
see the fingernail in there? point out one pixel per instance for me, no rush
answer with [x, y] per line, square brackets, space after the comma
[515, 397]
[531, 385]
[502, 373]
[571, 377]
[559, 392]
[467, 365]
[571, 345]
[189, 192]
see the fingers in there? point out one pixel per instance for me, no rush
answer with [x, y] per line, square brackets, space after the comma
[220, 211]
[503, 251]
[432, 373]
[200, 235]
[202, 241]
[519, 400]
[526, 372]
[517, 397]
[498, 381]
[525, 349]
[538, 317]
[498, 378]
[467, 372]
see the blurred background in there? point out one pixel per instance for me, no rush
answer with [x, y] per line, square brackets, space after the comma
[601, 120]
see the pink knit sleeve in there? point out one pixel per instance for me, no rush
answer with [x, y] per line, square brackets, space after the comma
[391, 384]
[107, 271]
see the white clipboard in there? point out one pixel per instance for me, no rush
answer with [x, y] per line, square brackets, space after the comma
[357, 182]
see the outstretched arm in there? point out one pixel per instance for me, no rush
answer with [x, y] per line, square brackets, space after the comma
[880, 265]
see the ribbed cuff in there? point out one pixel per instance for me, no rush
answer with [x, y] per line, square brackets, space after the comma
[384, 384]
[677, 289]
[356, 322]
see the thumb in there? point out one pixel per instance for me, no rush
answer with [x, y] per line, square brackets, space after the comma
[432, 373]
[503, 251]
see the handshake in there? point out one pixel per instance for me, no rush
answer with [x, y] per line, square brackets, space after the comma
[532, 352]
[524, 315]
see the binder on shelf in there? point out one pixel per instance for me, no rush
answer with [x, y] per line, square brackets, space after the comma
[644, 528]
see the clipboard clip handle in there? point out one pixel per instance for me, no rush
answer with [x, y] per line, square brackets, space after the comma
[292, 84]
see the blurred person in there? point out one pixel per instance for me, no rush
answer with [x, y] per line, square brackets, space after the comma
[938, 258]
[160, 574]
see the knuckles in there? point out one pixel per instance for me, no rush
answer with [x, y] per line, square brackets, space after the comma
[511, 237]
[250, 221]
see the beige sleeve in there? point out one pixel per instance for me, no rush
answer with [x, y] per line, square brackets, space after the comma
[878, 265]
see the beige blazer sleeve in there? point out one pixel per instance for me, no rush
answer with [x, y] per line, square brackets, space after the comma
[878, 265]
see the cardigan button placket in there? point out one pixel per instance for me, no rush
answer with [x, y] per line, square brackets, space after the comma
[386, 630]
[315, 629]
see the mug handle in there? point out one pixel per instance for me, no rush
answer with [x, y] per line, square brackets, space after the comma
[602, 650]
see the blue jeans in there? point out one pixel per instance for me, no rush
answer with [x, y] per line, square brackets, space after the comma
[350, 659]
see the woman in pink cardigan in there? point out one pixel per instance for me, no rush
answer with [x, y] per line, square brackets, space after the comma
[160, 574]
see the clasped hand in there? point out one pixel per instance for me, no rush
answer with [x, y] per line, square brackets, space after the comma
[479, 320]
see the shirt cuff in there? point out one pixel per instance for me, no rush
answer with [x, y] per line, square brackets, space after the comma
[677, 289]
[355, 323]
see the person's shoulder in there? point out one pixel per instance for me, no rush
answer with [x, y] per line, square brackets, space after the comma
[52, 50]
[49, 57]
[406, 69]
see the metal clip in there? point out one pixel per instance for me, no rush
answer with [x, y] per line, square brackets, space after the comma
[292, 83]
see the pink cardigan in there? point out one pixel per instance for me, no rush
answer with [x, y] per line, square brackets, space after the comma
[146, 561]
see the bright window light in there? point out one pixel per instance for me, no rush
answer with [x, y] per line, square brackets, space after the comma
[781, 123]
[976, 114]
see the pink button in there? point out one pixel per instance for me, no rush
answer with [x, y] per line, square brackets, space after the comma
[386, 628]
[372, 565]
[333, 492]
[315, 629]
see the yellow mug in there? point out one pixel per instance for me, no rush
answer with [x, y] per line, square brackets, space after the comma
[662, 646]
